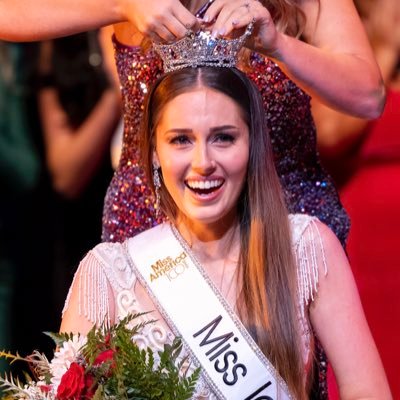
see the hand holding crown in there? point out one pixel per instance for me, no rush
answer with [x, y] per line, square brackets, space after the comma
[224, 17]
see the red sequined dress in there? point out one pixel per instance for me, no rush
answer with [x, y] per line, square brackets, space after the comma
[129, 203]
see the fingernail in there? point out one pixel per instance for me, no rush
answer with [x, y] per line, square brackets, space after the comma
[221, 32]
[206, 18]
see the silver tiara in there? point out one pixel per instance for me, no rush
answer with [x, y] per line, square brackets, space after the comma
[200, 49]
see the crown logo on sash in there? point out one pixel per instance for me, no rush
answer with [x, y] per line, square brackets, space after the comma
[200, 49]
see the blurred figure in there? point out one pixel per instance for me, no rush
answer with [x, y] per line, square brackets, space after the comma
[53, 179]
[24, 226]
[80, 108]
[364, 157]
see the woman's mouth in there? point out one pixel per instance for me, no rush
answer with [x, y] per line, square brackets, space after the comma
[204, 187]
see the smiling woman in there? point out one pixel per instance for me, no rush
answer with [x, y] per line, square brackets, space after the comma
[203, 154]
[231, 272]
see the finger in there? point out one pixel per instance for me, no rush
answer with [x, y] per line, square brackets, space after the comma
[231, 19]
[155, 38]
[226, 15]
[183, 20]
[156, 30]
[161, 34]
[214, 10]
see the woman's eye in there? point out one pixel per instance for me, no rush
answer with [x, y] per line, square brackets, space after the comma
[224, 138]
[180, 140]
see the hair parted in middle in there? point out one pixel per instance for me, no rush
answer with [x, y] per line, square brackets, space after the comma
[268, 301]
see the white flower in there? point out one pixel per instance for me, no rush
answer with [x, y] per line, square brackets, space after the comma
[32, 391]
[64, 356]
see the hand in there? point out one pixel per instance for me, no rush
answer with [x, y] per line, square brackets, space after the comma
[165, 20]
[228, 16]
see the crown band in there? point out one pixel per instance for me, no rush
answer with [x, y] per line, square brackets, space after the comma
[200, 49]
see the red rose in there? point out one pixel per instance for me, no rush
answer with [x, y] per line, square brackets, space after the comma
[45, 388]
[107, 339]
[72, 383]
[106, 355]
[90, 387]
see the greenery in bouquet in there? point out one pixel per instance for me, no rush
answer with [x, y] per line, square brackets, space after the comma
[105, 364]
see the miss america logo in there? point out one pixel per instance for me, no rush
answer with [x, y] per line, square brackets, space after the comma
[169, 267]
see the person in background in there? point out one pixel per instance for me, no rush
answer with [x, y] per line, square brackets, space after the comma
[80, 108]
[364, 158]
[25, 240]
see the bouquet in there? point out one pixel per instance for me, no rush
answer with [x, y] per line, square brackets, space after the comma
[105, 364]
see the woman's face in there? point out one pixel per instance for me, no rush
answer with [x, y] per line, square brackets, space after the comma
[202, 147]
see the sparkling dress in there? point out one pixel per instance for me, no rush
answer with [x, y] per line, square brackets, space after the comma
[129, 203]
[109, 290]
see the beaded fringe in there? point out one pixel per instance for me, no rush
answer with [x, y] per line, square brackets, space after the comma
[93, 299]
[309, 253]
[93, 288]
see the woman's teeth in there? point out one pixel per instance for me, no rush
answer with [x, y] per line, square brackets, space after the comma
[204, 185]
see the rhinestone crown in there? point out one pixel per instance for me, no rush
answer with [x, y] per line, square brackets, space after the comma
[200, 49]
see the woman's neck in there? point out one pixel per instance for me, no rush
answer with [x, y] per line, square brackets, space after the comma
[211, 242]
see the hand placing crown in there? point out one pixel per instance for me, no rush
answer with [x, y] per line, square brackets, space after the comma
[201, 49]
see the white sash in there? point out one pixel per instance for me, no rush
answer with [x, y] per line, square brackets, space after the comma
[232, 363]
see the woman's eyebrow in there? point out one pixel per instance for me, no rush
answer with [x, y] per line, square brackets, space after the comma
[224, 128]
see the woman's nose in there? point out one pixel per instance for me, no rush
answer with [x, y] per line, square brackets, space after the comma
[203, 161]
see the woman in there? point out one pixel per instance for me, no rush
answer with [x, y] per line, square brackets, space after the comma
[333, 45]
[217, 183]
[79, 107]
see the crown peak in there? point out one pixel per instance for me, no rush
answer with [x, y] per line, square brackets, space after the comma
[201, 49]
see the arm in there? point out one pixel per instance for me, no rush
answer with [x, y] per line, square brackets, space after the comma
[24, 20]
[328, 64]
[337, 132]
[339, 322]
[73, 155]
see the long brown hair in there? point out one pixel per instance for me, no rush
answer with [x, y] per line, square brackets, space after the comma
[267, 303]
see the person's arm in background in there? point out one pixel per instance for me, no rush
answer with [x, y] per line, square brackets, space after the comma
[73, 154]
[338, 132]
[328, 63]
